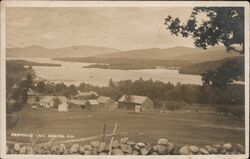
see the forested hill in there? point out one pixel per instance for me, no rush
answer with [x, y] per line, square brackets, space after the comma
[200, 68]
[175, 53]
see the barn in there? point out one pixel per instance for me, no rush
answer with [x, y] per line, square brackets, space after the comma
[91, 105]
[77, 104]
[135, 103]
[106, 103]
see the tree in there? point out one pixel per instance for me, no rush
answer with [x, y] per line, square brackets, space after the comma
[57, 102]
[225, 25]
[111, 83]
[225, 74]
[41, 87]
[129, 99]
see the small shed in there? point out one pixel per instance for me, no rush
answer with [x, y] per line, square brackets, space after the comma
[63, 107]
[91, 105]
[106, 103]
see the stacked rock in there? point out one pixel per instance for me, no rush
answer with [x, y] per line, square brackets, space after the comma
[124, 146]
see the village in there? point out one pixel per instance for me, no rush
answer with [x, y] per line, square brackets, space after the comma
[89, 101]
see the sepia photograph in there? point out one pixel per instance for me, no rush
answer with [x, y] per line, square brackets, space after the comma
[124, 78]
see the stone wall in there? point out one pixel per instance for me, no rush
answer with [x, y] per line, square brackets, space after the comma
[126, 147]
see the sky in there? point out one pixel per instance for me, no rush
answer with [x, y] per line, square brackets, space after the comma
[121, 28]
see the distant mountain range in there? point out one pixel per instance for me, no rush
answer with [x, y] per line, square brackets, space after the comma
[175, 53]
[74, 51]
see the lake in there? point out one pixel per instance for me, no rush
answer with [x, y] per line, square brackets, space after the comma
[74, 73]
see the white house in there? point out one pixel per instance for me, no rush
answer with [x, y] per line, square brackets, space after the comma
[48, 101]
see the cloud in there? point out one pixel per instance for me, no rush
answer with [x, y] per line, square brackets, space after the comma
[122, 28]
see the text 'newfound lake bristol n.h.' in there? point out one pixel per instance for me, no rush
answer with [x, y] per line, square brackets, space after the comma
[125, 80]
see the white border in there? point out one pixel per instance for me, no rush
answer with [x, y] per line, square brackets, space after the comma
[121, 4]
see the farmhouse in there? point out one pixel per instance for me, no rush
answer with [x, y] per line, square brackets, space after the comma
[135, 102]
[91, 105]
[49, 101]
[106, 103]
[63, 107]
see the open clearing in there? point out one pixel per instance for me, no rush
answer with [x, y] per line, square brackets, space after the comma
[179, 128]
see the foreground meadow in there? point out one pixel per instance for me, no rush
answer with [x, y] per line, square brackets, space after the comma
[180, 128]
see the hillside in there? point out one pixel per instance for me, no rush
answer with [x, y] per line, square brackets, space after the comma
[74, 51]
[175, 53]
[199, 68]
[154, 53]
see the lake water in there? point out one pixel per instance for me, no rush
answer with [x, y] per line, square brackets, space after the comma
[74, 73]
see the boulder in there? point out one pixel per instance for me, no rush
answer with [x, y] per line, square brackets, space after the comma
[208, 148]
[144, 151]
[135, 152]
[55, 149]
[223, 150]
[204, 151]
[217, 147]
[124, 140]
[23, 150]
[82, 150]
[116, 144]
[62, 148]
[107, 148]
[170, 147]
[155, 148]
[17, 147]
[140, 144]
[149, 147]
[228, 146]
[117, 152]
[213, 151]
[94, 151]
[184, 150]
[30, 150]
[175, 151]
[88, 147]
[240, 148]
[131, 143]
[126, 148]
[154, 153]
[163, 141]
[102, 147]
[194, 149]
[162, 150]
[74, 148]
[136, 147]
[95, 143]
[87, 152]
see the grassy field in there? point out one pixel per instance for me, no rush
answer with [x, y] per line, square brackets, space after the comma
[179, 128]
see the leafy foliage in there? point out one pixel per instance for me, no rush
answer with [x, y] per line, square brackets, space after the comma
[225, 25]
[223, 75]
